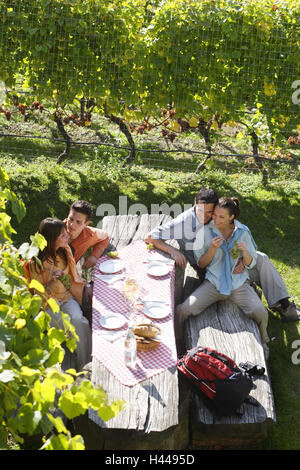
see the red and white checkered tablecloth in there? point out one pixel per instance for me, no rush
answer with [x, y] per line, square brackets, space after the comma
[109, 298]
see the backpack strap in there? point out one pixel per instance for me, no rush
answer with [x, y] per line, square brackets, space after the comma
[252, 369]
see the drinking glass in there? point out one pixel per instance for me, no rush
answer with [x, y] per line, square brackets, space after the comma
[131, 293]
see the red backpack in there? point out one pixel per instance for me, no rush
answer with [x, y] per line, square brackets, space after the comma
[216, 377]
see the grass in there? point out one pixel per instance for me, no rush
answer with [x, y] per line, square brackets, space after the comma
[271, 211]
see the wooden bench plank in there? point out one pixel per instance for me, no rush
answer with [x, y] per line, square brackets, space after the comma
[226, 328]
[121, 228]
[149, 222]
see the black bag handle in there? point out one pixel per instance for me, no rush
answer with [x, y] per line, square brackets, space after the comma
[252, 369]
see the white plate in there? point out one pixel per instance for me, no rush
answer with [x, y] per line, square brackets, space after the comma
[111, 266]
[158, 269]
[157, 311]
[113, 321]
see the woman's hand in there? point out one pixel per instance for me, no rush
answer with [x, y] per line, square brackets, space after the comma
[247, 259]
[217, 241]
[239, 267]
[241, 246]
[206, 259]
[56, 273]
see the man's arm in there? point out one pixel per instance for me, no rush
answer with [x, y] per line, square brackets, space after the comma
[93, 238]
[172, 230]
[97, 251]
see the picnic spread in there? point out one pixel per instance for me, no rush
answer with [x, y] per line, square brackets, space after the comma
[155, 275]
[150, 388]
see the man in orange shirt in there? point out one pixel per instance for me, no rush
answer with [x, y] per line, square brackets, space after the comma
[82, 236]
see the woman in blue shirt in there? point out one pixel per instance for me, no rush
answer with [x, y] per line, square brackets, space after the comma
[217, 248]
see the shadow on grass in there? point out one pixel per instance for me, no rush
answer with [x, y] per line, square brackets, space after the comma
[272, 214]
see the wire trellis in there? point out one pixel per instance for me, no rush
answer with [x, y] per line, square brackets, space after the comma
[216, 56]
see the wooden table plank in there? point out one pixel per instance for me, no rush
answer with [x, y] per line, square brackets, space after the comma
[151, 405]
[173, 438]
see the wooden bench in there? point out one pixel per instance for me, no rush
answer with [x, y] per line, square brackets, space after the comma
[224, 327]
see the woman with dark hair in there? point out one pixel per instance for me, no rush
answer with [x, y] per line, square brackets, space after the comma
[56, 271]
[218, 248]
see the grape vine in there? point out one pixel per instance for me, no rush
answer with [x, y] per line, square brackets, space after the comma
[33, 387]
[207, 62]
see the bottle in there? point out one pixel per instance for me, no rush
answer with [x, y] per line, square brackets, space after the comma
[130, 349]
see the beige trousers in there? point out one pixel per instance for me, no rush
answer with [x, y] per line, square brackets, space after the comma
[206, 294]
[266, 275]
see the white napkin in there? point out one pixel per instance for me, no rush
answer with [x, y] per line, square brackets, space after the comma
[109, 278]
[110, 335]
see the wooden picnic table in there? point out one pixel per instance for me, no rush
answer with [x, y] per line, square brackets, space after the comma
[150, 419]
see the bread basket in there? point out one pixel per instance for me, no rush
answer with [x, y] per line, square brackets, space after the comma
[146, 336]
[146, 344]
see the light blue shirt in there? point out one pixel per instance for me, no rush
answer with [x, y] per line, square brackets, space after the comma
[184, 229]
[220, 270]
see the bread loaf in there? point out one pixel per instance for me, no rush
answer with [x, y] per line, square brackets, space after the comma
[147, 330]
[146, 336]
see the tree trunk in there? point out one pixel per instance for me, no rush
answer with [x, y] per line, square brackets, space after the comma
[204, 128]
[257, 158]
[123, 128]
[66, 138]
